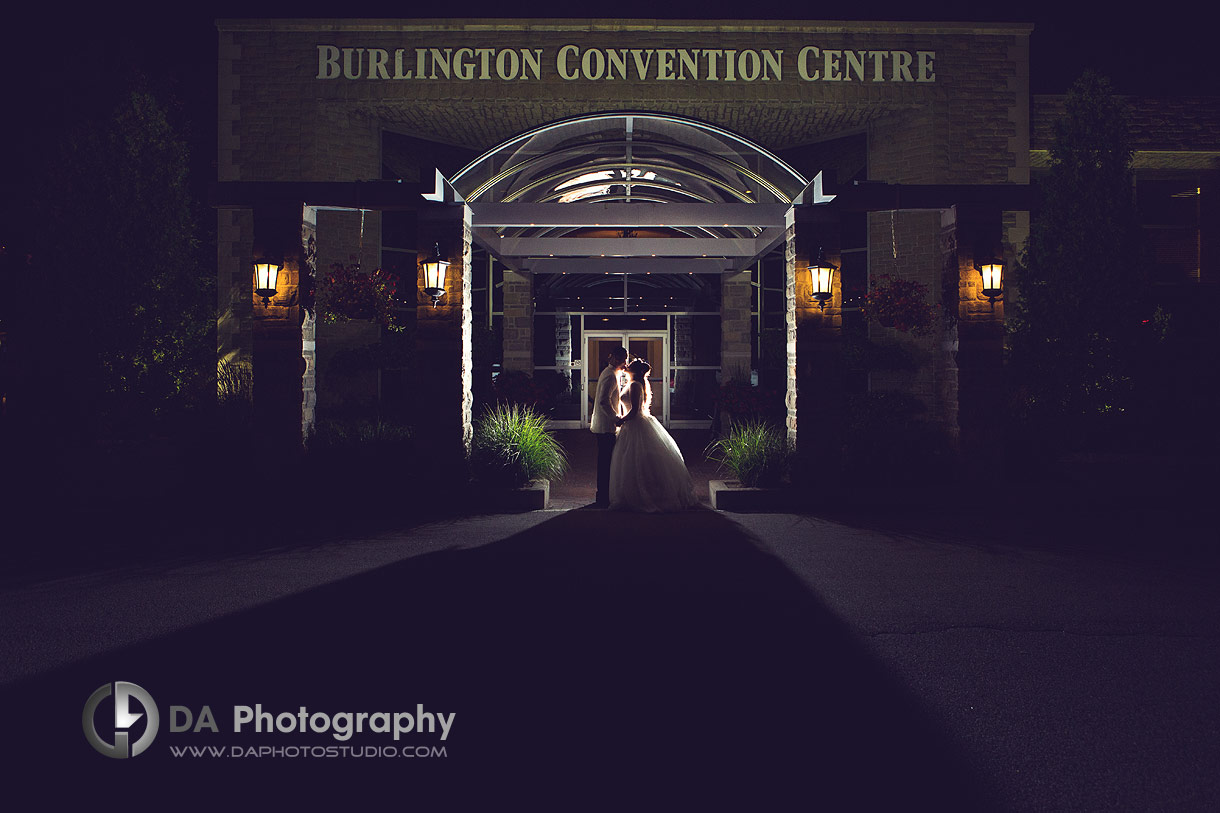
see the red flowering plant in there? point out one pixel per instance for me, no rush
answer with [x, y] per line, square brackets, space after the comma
[901, 304]
[347, 293]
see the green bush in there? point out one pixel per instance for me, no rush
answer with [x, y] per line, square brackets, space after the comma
[756, 453]
[512, 446]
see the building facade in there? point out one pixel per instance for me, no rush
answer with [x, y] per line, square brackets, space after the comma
[661, 184]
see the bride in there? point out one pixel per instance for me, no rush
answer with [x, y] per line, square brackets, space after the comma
[647, 472]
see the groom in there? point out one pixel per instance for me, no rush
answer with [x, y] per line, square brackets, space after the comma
[604, 421]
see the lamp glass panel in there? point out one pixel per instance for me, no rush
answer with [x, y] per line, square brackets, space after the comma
[821, 275]
[265, 276]
[434, 274]
[992, 275]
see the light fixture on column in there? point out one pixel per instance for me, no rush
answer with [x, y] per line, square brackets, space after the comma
[434, 276]
[992, 270]
[266, 275]
[821, 277]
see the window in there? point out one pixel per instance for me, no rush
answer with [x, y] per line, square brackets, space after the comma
[1169, 211]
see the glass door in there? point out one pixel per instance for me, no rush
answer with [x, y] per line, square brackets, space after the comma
[652, 346]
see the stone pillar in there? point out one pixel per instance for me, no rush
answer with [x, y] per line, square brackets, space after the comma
[980, 334]
[518, 323]
[309, 336]
[684, 342]
[443, 346]
[563, 348]
[791, 325]
[735, 334]
[813, 332]
[278, 360]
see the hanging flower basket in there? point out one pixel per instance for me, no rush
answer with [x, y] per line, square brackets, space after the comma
[349, 294]
[901, 304]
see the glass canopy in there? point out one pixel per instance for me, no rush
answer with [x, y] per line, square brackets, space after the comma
[625, 157]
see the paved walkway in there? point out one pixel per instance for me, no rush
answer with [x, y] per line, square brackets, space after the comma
[692, 660]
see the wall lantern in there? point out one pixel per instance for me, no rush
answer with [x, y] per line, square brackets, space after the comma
[265, 277]
[993, 278]
[821, 275]
[434, 276]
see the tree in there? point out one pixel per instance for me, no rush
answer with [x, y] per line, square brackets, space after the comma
[119, 307]
[1082, 288]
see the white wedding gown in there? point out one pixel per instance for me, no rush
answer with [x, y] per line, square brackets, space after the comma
[647, 472]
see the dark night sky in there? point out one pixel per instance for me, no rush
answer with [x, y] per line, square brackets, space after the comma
[65, 72]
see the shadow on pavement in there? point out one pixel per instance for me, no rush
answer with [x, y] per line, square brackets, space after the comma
[600, 658]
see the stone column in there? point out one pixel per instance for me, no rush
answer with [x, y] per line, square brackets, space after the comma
[980, 337]
[309, 335]
[684, 343]
[563, 348]
[814, 333]
[735, 294]
[443, 346]
[518, 322]
[278, 361]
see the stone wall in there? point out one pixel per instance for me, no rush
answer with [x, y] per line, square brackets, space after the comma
[563, 348]
[519, 323]
[735, 335]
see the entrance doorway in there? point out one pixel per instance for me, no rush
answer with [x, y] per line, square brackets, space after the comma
[652, 346]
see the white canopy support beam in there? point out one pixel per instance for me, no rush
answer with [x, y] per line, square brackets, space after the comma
[624, 265]
[626, 247]
[643, 214]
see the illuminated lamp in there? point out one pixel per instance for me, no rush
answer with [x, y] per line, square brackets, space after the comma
[993, 278]
[266, 275]
[821, 276]
[434, 276]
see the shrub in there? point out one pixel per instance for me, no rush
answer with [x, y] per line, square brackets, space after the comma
[756, 453]
[512, 446]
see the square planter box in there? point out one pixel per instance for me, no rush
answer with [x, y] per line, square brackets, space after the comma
[731, 495]
[533, 496]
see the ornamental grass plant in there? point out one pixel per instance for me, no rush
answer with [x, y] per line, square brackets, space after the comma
[754, 452]
[513, 446]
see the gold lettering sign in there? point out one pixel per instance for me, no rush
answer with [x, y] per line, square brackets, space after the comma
[572, 63]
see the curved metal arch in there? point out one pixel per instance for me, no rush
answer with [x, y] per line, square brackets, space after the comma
[705, 143]
[672, 157]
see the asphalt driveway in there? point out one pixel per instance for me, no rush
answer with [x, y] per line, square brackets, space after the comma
[697, 661]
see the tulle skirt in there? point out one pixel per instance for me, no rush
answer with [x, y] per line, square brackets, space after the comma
[647, 472]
